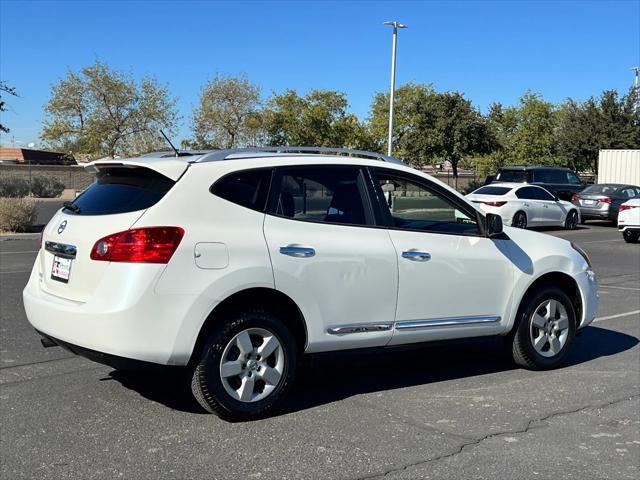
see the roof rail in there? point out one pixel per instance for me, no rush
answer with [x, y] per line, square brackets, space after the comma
[238, 153]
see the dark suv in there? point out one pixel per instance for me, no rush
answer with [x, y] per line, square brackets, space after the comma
[562, 182]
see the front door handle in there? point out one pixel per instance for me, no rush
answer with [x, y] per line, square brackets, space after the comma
[416, 255]
[297, 251]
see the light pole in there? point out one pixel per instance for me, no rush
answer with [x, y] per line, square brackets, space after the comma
[635, 88]
[394, 44]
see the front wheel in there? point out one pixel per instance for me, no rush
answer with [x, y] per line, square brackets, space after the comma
[630, 236]
[571, 222]
[545, 330]
[519, 220]
[247, 366]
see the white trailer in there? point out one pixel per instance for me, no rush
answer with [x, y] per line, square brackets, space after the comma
[619, 166]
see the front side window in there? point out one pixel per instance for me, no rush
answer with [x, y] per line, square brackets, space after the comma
[326, 194]
[573, 179]
[413, 205]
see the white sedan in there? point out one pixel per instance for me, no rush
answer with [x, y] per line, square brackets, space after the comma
[522, 205]
[629, 220]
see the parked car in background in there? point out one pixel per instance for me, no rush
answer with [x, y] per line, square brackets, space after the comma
[629, 220]
[525, 206]
[562, 182]
[602, 201]
[233, 264]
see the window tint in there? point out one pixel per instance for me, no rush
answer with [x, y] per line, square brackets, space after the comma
[322, 194]
[573, 179]
[517, 176]
[248, 188]
[542, 194]
[550, 176]
[412, 205]
[121, 190]
[489, 190]
[527, 193]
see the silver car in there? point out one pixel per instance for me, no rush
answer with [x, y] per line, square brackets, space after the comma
[602, 201]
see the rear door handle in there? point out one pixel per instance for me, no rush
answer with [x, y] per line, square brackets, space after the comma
[297, 251]
[416, 255]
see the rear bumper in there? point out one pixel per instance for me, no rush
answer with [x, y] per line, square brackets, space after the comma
[633, 228]
[131, 322]
[604, 213]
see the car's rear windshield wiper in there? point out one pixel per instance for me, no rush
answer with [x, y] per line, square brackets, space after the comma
[71, 206]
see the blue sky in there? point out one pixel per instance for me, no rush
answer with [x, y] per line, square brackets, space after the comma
[490, 50]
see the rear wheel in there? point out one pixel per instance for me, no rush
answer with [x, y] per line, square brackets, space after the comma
[630, 236]
[545, 330]
[247, 366]
[519, 220]
[571, 222]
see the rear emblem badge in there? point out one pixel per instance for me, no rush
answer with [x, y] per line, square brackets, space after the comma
[62, 226]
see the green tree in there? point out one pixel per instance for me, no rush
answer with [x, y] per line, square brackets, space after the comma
[319, 118]
[584, 128]
[100, 111]
[227, 115]
[5, 90]
[533, 139]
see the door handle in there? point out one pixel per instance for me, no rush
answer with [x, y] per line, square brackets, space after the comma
[297, 251]
[416, 255]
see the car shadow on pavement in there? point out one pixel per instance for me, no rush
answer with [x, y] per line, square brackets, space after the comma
[330, 377]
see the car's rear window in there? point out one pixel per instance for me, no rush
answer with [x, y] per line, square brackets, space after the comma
[517, 176]
[121, 190]
[488, 190]
[601, 189]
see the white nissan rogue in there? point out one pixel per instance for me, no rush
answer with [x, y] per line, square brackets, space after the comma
[234, 263]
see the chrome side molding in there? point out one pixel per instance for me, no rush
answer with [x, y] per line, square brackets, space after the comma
[446, 322]
[61, 249]
[359, 328]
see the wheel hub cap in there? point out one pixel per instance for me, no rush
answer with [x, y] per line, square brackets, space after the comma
[549, 328]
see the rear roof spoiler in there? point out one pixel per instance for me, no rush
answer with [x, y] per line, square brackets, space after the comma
[171, 167]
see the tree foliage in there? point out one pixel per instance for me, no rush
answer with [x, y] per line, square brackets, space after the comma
[227, 114]
[100, 111]
[5, 89]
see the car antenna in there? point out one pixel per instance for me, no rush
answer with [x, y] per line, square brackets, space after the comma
[169, 142]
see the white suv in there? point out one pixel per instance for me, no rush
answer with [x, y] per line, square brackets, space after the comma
[235, 263]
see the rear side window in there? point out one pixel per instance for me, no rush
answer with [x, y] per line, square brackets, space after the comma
[517, 176]
[121, 190]
[325, 194]
[248, 188]
[492, 190]
[527, 193]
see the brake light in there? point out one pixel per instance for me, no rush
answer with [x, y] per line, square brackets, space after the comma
[495, 204]
[605, 200]
[626, 207]
[575, 197]
[139, 245]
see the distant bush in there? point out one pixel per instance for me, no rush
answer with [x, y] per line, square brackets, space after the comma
[17, 214]
[14, 187]
[473, 185]
[46, 187]
[42, 187]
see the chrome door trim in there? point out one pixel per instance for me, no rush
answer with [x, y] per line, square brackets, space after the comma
[416, 255]
[359, 328]
[61, 249]
[446, 322]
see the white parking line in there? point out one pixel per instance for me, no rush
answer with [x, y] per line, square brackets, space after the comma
[602, 241]
[619, 288]
[619, 315]
[14, 271]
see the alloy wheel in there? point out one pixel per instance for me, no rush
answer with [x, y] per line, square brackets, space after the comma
[252, 365]
[549, 328]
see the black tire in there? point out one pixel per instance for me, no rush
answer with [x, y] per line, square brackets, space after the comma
[630, 236]
[583, 221]
[207, 384]
[571, 222]
[519, 220]
[523, 351]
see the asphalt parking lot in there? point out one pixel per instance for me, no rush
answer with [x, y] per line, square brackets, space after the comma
[457, 412]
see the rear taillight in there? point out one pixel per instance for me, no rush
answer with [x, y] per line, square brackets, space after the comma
[605, 200]
[626, 207]
[495, 204]
[138, 245]
[575, 197]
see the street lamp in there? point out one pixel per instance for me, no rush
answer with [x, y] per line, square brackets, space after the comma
[396, 26]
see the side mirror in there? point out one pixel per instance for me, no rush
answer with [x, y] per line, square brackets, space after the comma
[556, 197]
[494, 225]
